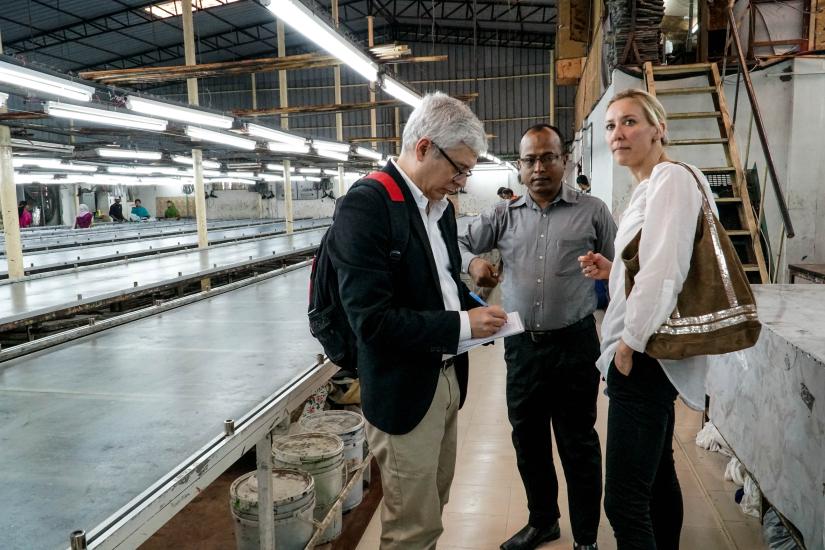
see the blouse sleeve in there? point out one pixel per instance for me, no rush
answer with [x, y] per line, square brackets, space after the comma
[672, 209]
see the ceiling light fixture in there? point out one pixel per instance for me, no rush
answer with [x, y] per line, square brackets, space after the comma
[331, 146]
[368, 153]
[181, 159]
[304, 21]
[309, 170]
[401, 92]
[279, 168]
[104, 116]
[332, 154]
[51, 164]
[220, 137]
[288, 148]
[274, 135]
[128, 154]
[176, 112]
[41, 82]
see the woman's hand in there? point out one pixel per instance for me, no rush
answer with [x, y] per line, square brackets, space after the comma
[624, 358]
[595, 266]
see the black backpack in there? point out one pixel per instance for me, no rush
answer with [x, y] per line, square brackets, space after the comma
[327, 320]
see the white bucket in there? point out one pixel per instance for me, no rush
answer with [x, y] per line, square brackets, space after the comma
[322, 456]
[293, 501]
[349, 426]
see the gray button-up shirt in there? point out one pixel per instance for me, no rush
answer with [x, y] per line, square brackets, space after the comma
[542, 279]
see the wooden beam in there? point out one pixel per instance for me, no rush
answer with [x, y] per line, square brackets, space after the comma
[333, 107]
[149, 75]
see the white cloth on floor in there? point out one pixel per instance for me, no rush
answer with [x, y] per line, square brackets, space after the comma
[735, 472]
[752, 499]
[709, 438]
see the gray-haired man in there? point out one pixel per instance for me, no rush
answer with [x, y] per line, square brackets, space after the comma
[409, 311]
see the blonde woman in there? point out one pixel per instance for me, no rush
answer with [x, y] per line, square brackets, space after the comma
[643, 500]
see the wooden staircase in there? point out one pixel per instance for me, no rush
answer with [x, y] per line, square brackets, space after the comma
[728, 182]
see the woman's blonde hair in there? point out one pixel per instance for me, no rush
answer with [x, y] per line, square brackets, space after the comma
[652, 107]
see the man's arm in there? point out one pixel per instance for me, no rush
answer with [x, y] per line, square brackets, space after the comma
[359, 249]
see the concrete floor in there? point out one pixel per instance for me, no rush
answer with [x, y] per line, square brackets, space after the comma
[488, 505]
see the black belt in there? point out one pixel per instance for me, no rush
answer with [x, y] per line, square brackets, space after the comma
[447, 363]
[542, 335]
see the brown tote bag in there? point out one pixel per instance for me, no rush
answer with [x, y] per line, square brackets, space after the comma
[715, 311]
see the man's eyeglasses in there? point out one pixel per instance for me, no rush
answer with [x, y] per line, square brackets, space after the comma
[460, 173]
[545, 160]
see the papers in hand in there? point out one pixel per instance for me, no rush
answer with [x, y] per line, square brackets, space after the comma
[512, 327]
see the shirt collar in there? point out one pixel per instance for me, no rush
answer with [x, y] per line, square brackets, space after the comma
[420, 199]
[566, 194]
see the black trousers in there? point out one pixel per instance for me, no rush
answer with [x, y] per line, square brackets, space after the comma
[552, 380]
[642, 499]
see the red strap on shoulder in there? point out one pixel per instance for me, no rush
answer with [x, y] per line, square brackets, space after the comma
[389, 184]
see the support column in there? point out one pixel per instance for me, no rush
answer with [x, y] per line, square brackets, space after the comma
[197, 154]
[283, 91]
[552, 93]
[254, 78]
[339, 117]
[266, 513]
[8, 199]
[398, 131]
[373, 119]
[288, 214]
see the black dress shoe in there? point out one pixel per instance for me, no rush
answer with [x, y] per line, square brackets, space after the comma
[530, 537]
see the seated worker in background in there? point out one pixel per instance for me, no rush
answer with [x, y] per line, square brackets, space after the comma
[84, 217]
[116, 211]
[171, 211]
[26, 218]
[139, 212]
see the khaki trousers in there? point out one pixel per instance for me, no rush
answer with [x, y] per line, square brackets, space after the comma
[416, 471]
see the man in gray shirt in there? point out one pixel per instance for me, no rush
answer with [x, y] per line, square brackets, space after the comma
[551, 373]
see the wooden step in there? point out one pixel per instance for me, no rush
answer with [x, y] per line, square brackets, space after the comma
[702, 141]
[687, 68]
[683, 91]
[718, 170]
[738, 233]
[686, 116]
[727, 200]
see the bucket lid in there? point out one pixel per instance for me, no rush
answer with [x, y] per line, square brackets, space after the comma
[307, 447]
[288, 485]
[335, 422]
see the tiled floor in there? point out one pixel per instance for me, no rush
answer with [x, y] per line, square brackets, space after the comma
[487, 502]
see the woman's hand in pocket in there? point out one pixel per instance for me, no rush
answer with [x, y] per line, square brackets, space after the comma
[624, 358]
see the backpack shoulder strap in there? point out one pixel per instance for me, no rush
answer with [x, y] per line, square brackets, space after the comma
[399, 216]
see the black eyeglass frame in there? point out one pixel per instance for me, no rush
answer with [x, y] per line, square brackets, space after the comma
[546, 160]
[460, 173]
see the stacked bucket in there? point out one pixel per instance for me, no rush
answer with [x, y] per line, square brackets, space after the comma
[311, 470]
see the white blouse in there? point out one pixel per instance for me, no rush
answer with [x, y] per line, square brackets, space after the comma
[666, 207]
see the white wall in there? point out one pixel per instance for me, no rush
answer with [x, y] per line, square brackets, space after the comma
[481, 190]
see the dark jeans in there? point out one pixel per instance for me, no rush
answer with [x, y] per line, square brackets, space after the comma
[642, 498]
[552, 380]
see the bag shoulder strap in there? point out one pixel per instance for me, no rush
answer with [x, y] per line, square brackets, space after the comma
[399, 216]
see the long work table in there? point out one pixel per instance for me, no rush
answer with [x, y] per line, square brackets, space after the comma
[63, 258]
[767, 402]
[126, 231]
[114, 433]
[38, 297]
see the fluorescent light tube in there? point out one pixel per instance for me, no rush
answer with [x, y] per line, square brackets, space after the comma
[288, 148]
[41, 82]
[310, 170]
[301, 19]
[271, 177]
[369, 153]
[273, 135]
[103, 116]
[311, 178]
[41, 146]
[175, 112]
[332, 154]
[181, 159]
[220, 137]
[239, 174]
[51, 164]
[330, 146]
[279, 168]
[128, 154]
[399, 91]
